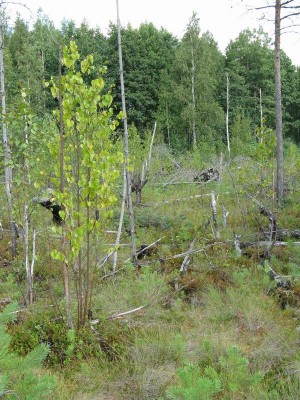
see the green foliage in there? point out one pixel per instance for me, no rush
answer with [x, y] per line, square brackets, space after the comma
[192, 385]
[24, 53]
[21, 376]
[90, 164]
[242, 137]
[67, 345]
[250, 65]
[177, 112]
[147, 52]
[230, 375]
[266, 146]
[28, 143]
[90, 160]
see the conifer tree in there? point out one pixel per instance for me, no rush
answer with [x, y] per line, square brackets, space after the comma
[21, 377]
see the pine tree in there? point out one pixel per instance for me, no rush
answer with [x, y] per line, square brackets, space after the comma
[21, 377]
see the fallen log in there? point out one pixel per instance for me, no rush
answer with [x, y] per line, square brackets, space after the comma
[267, 244]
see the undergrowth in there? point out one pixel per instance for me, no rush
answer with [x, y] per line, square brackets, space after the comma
[222, 330]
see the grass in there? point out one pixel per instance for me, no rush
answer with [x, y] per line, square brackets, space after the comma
[222, 302]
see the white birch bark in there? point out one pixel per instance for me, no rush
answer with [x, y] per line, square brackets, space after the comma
[7, 151]
[120, 222]
[214, 214]
[227, 114]
[126, 142]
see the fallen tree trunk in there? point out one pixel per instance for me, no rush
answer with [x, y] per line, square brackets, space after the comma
[266, 244]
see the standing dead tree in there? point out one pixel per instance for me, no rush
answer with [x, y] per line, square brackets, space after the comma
[214, 214]
[126, 142]
[141, 178]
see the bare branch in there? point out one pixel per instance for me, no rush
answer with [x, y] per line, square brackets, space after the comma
[288, 27]
[286, 2]
[16, 3]
[290, 15]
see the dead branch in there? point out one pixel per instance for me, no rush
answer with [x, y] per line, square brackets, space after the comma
[191, 251]
[175, 200]
[117, 316]
[265, 244]
[187, 259]
[266, 212]
[146, 248]
[122, 314]
[282, 282]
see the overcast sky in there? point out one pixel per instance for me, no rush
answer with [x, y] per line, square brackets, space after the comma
[225, 19]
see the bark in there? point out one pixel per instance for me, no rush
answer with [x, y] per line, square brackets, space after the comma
[225, 215]
[227, 115]
[237, 245]
[126, 142]
[138, 183]
[261, 111]
[278, 106]
[187, 259]
[120, 222]
[7, 151]
[88, 294]
[62, 190]
[271, 217]
[214, 214]
[193, 98]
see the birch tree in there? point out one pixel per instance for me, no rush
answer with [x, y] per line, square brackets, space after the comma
[6, 146]
[87, 168]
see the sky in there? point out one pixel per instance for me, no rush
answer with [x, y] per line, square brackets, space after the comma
[225, 19]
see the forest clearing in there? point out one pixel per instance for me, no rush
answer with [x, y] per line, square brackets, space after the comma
[149, 224]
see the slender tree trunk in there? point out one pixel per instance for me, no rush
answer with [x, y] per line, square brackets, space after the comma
[32, 263]
[26, 254]
[278, 107]
[214, 214]
[168, 126]
[120, 221]
[80, 295]
[88, 295]
[62, 190]
[227, 115]
[7, 152]
[193, 99]
[126, 142]
[261, 110]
